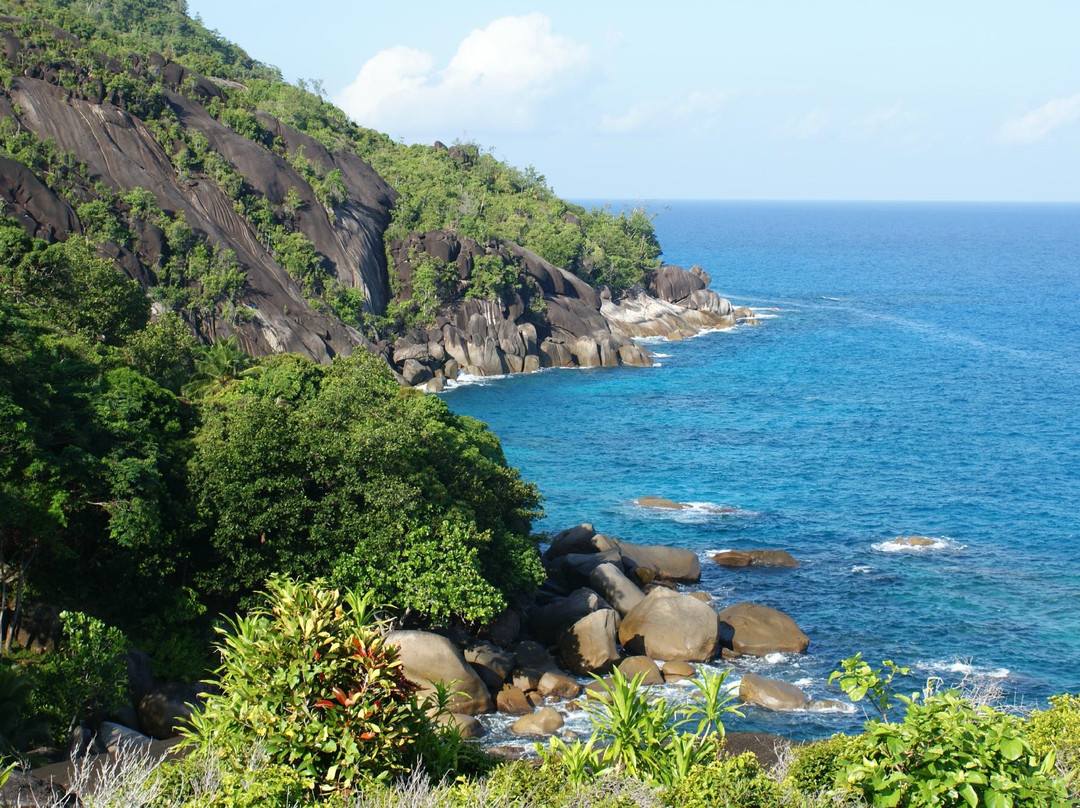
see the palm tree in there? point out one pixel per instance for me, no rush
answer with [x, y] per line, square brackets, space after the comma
[216, 366]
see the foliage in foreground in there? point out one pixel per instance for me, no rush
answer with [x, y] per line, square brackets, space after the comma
[307, 677]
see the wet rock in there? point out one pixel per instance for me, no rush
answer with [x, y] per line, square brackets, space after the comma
[754, 558]
[772, 694]
[511, 700]
[543, 722]
[756, 630]
[558, 685]
[632, 666]
[661, 503]
[675, 670]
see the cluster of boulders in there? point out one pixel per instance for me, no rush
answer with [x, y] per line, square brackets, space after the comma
[605, 603]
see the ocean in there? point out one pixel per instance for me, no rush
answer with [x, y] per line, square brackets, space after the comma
[916, 372]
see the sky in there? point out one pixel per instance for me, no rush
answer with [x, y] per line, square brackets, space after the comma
[832, 99]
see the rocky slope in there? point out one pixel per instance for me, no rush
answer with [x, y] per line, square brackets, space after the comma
[550, 317]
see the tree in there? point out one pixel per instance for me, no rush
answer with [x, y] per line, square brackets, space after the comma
[216, 366]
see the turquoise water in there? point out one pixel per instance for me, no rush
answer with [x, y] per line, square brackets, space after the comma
[920, 375]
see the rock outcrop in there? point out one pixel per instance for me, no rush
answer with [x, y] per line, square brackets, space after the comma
[428, 658]
[667, 625]
[755, 630]
[772, 694]
[754, 558]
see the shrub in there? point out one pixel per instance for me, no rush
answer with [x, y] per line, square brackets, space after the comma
[736, 782]
[202, 781]
[84, 677]
[1057, 730]
[815, 766]
[947, 752]
[647, 740]
[307, 676]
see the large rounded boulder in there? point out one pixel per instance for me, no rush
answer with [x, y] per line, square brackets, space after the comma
[772, 694]
[754, 630]
[428, 658]
[666, 563]
[588, 646]
[667, 625]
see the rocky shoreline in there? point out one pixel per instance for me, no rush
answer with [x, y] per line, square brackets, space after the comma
[553, 318]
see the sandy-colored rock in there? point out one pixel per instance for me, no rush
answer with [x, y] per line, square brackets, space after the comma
[511, 700]
[772, 694]
[543, 722]
[612, 585]
[588, 646]
[756, 630]
[559, 685]
[675, 670]
[491, 662]
[914, 541]
[632, 666]
[754, 558]
[660, 502]
[670, 563]
[667, 625]
[428, 658]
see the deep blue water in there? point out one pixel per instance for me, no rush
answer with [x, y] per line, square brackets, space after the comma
[920, 375]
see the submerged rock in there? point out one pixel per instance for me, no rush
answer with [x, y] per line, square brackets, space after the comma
[772, 694]
[754, 558]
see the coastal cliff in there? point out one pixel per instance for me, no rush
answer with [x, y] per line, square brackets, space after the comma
[152, 161]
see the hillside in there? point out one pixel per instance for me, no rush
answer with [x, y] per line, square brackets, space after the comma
[252, 207]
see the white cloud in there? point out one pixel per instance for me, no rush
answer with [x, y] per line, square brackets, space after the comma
[1040, 122]
[500, 78]
[894, 125]
[811, 125]
[696, 112]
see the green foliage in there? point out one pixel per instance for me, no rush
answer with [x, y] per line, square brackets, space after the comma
[303, 468]
[491, 277]
[816, 765]
[858, 680]
[203, 781]
[736, 782]
[647, 740]
[1057, 731]
[308, 677]
[85, 676]
[216, 366]
[945, 751]
[18, 728]
[100, 222]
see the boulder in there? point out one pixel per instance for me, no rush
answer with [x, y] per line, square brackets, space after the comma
[164, 710]
[549, 620]
[675, 670]
[558, 685]
[772, 694]
[531, 654]
[428, 658]
[543, 722]
[579, 539]
[555, 354]
[667, 625]
[526, 679]
[661, 503]
[754, 558]
[670, 563]
[468, 726]
[506, 627]
[632, 666]
[673, 283]
[756, 630]
[511, 700]
[704, 597]
[913, 541]
[491, 662]
[613, 586]
[589, 644]
[584, 563]
[117, 736]
[415, 373]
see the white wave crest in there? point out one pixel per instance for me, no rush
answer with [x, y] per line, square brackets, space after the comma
[860, 569]
[963, 668]
[903, 544]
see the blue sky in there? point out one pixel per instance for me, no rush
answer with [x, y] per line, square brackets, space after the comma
[952, 99]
